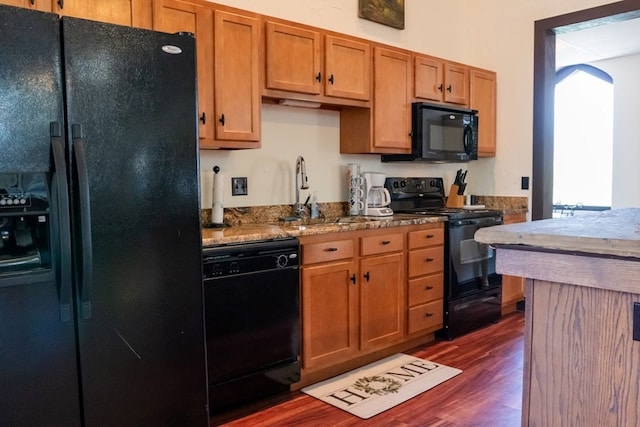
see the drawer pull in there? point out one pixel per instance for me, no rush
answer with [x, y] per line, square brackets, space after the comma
[430, 236]
[429, 315]
[331, 249]
[386, 242]
[429, 288]
[366, 276]
[429, 259]
[353, 278]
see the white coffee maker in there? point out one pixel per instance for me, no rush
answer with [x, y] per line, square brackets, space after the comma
[375, 198]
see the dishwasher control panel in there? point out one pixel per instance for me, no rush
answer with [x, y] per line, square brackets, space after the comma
[225, 261]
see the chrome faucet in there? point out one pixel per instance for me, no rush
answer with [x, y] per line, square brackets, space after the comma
[301, 184]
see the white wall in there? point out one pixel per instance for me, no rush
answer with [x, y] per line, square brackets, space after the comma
[492, 34]
[626, 129]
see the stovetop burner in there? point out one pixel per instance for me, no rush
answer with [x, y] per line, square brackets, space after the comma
[425, 196]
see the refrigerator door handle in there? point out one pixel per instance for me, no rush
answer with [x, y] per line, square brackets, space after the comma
[85, 220]
[61, 191]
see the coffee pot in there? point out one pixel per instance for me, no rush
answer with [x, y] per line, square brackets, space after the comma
[376, 198]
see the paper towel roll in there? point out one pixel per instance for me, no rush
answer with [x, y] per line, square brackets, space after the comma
[217, 207]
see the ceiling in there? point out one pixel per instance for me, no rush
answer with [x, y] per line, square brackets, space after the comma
[607, 41]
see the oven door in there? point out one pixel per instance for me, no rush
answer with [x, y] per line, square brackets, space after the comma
[472, 264]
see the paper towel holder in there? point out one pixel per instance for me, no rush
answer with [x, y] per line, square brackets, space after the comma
[218, 206]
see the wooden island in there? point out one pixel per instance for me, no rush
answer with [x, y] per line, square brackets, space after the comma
[582, 364]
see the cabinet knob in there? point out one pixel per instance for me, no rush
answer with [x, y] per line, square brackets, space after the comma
[449, 88]
[203, 118]
[331, 79]
[429, 315]
[319, 77]
[366, 276]
[353, 278]
[221, 120]
[60, 3]
[440, 87]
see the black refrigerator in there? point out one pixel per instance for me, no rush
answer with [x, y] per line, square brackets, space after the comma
[101, 307]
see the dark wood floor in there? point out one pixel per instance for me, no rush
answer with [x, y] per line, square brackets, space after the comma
[487, 393]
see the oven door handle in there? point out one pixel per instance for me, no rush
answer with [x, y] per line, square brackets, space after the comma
[480, 222]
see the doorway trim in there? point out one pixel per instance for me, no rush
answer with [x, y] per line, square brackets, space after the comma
[544, 76]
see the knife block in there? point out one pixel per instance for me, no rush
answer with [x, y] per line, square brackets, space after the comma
[454, 200]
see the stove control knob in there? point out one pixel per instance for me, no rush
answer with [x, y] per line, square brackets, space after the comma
[282, 261]
[403, 183]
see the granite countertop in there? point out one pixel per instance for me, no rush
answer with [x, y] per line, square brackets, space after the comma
[252, 232]
[614, 233]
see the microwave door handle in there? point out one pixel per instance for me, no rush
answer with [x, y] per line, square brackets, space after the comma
[467, 138]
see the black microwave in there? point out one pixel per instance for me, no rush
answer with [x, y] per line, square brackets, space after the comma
[439, 134]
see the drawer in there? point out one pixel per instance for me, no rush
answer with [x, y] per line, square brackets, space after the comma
[380, 244]
[426, 261]
[424, 238]
[327, 251]
[426, 316]
[426, 289]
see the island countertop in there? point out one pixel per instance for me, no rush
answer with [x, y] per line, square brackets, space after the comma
[610, 233]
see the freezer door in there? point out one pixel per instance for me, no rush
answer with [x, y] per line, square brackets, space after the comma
[131, 108]
[38, 367]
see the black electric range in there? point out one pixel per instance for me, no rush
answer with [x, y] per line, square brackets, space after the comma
[472, 288]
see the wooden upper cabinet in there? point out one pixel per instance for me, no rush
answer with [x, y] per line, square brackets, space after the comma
[347, 68]
[292, 59]
[428, 78]
[482, 98]
[41, 5]
[392, 99]
[173, 16]
[440, 81]
[237, 81]
[456, 84]
[133, 13]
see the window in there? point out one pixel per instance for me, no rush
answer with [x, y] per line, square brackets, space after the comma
[583, 140]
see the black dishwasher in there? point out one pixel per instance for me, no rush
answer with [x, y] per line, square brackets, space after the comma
[252, 312]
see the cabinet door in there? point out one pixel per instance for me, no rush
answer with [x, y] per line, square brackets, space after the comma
[456, 81]
[329, 313]
[292, 59]
[382, 302]
[392, 94]
[482, 97]
[347, 68]
[428, 78]
[42, 5]
[133, 13]
[512, 286]
[172, 16]
[236, 70]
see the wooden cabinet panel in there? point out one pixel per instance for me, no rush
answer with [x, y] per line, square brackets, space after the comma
[426, 289]
[512, 286]
[372, 245]
[428, 78]
[482, 98]
[327, 251]
[392, 98]
[133, 13]
[329, 313]
[427, 237]
[426, 261]
[236, 73]
[347, 68]
[172, 16]
[381, 300]
[41, 5]
[292, 58]
[426, 316]
[456, 84]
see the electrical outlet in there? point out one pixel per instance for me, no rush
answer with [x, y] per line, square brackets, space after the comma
[239, 186]
[524, 183]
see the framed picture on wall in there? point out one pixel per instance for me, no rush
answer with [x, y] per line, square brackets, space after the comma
[386, 12]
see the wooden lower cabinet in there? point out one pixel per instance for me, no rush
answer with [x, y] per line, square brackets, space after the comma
[512, 286]
[357, 304]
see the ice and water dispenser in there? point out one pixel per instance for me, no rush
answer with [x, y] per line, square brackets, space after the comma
[25, 241]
